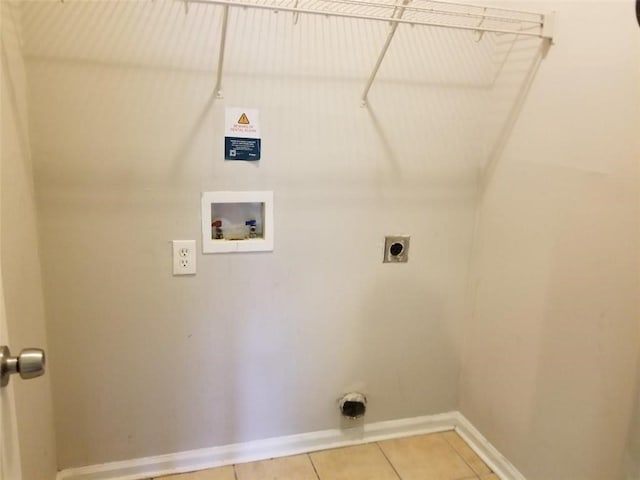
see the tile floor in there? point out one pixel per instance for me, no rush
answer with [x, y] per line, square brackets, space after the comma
[438, 456]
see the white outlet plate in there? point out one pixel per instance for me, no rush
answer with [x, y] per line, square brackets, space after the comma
[184, 257]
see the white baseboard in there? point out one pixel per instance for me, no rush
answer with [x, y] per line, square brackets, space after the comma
[149, 467]
[497, 462]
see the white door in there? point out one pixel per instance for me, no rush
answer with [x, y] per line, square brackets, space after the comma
[9, 448]
[27, 363]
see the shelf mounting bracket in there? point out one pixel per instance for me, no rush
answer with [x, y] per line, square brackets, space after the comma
[223, 40]
[549, 27]
[397, 14]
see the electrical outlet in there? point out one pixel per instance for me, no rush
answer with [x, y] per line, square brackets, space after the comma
[184, 257]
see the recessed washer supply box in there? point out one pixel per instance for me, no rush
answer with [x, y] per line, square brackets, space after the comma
[237, 222]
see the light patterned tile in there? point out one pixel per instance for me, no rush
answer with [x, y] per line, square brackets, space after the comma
[469, 456]
[297, 467]
[222, 473]
[426, 457]
[362, 462]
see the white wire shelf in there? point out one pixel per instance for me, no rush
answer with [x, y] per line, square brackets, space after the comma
[431, 13]
[417, 12]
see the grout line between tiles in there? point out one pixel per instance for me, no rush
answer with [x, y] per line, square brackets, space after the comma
[314, 466]
[388, 461]
[453, 447]
[476, 475]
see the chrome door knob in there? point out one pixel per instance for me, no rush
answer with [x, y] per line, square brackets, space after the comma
[29, 364]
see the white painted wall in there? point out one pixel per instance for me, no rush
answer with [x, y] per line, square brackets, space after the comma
[20, 254]
[126, 134]
[550, 369]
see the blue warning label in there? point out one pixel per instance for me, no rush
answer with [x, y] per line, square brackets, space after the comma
[241, 148]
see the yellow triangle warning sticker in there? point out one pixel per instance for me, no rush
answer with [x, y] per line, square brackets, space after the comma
[243, 120]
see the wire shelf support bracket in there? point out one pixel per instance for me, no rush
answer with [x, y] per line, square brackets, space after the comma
[549, 27]
[397, 13]
[223, 40]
